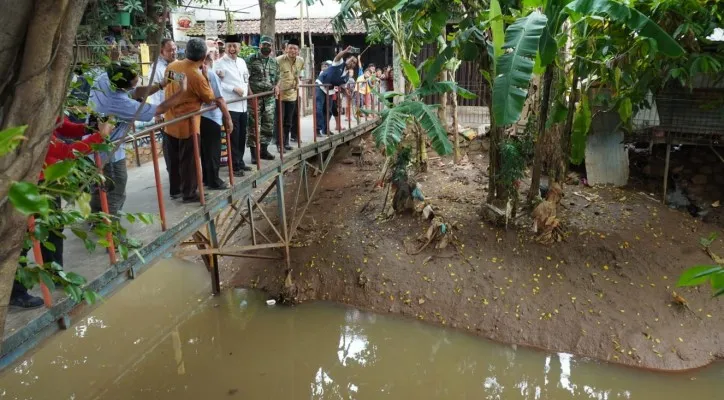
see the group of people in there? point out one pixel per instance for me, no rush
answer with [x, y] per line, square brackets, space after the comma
[176, 88]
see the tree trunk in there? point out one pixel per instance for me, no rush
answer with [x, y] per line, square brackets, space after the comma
[568, 127]
[268, 18]
[542, 119]
[36, 53]
[421, 148]
[398, 81]
[454, 109]
[442, 111]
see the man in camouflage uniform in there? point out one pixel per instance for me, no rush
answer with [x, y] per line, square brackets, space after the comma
[263, 77]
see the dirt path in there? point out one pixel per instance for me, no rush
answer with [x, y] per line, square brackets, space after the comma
[605, 293]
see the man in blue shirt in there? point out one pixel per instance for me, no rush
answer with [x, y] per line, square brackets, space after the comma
[114, 95]
[210, 139]
[334, 75]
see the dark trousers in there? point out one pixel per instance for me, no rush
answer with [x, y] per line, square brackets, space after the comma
[238, 139]
[116, 174]
[210, 152]
[322, 120]
[164, 144]
[290, 114]
[48, 255]
[182, 167]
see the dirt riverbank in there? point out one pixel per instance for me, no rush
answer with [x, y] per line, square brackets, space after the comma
[605, 293]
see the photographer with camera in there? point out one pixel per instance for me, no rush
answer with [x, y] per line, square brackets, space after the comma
[334, 75]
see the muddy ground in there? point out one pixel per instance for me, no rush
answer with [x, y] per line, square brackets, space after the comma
[605, 292]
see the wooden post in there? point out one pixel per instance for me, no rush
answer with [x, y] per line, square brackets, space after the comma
[666, 171]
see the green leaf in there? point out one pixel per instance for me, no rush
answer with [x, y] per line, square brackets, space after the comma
[89, 245]
[630, 17]
[140, 257]
[146, 218]
[123, 250]
[717, 280]
[431, 88]
[74, 292]
[411, 73]
[496, 27]
[697, 275]
[80, 233]
[27, 199]
[58, 170]
[625, 109]
[389, 132]
[430, 123]
[73, 278]
[47, 279]
[558, 115]
[515, 68]
[10, 138]
[49, 245]
[581, 126]
[83, 204]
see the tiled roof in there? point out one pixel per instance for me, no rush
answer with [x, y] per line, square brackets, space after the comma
[321, 26]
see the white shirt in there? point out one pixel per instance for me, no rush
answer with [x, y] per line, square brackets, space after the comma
[235, 75]
[158, 97]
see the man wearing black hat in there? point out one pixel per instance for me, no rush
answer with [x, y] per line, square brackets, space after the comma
[290, 69]
[234, 86]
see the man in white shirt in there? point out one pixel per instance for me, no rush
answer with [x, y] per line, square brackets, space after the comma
[167, 55]
[235, 85]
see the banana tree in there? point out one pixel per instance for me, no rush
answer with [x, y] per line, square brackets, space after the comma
[591, 21]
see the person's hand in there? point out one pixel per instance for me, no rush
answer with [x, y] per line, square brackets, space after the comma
[228, 125]
[239, 92]
[220, 74]
[347, 49]
[205, 69]
[105, 129]
[276, 91]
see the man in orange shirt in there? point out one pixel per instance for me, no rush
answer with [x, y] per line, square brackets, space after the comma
[182, 168]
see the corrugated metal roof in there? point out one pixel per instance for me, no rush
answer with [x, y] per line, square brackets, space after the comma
[321, 26]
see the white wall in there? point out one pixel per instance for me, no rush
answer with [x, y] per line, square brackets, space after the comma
[249, 9]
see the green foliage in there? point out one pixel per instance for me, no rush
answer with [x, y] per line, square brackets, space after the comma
[394, 119]
[512, 164]
[632, 18]
[700, 274]
[497, 29]
[581, 126]
[10, 138]
[411, 73]
[515, 68]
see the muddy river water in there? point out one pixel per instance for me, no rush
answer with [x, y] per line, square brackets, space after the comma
[164, 337]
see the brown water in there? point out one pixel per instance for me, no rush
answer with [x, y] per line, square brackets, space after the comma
[164, 337]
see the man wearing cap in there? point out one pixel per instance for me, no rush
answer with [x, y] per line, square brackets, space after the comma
[263, 77]
[234, 86]
[290, 68]
[334, 75]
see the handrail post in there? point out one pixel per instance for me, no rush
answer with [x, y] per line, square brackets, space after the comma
[326, 109]
[349, 112]
[104, 208]
[229, 160]
[197, 161]
[282, 134]
[299, 121]
[314, 115]
[157, 177]
[38, 254]
[256, 133]
[338, 119]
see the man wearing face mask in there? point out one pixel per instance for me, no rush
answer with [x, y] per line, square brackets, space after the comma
[235, 85]
[263, 77]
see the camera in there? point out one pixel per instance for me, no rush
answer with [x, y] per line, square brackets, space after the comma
[354, 50]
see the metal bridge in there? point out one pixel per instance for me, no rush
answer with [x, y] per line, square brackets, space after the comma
[204, 229]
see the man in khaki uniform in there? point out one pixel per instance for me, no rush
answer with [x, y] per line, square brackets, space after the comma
[290, 69]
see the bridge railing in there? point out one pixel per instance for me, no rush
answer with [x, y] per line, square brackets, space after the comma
[368, 102]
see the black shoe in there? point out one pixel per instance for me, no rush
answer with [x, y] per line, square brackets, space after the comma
[26, 301]
[175, 196]
[246, 168]
[288, 148]
[266, 155]
[293, 139]
[193, 199]
[320, 134]
[222, 186]
[238, 173]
